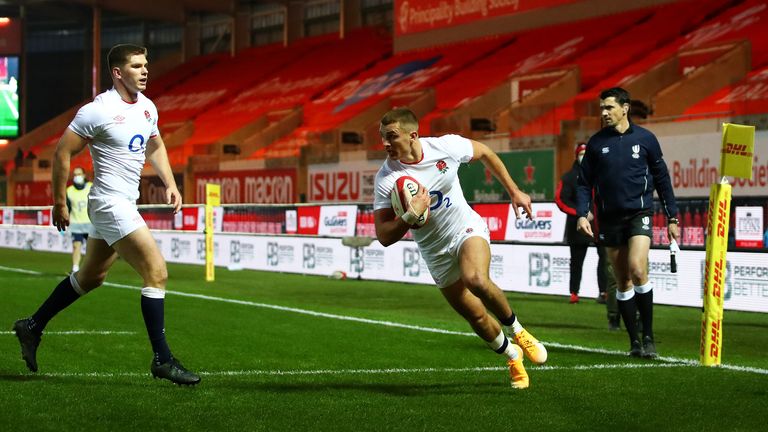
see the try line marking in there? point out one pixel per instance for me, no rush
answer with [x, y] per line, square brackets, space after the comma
[391, 371]
[674, 360]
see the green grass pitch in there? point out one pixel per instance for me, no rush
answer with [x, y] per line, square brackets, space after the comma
[281, 352]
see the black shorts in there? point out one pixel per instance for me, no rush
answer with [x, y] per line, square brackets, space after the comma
[77, 237]
[615, 230]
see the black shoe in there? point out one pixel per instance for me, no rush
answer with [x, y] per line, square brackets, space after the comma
[614, 323]
[601, 298]
[29, 342]
[635, 349]
[649, 348]
[173, 371]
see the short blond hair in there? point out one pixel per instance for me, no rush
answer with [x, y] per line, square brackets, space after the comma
[404, 117]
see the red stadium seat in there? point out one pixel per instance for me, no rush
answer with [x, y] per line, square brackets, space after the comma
[749, 96]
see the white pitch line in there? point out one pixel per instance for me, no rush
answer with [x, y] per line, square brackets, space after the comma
[78, 332]
[18, 270]
[303, 311]
[389, 371]
[579, 348]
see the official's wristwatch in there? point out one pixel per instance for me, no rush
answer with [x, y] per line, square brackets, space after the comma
[673, 221]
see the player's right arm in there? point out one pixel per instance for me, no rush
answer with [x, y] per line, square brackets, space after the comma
[493, 163]
[69, 144]
[390, 228]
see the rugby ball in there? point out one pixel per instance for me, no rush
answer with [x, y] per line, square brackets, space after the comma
[406, 187]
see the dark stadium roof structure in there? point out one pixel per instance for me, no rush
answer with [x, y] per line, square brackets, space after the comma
[162, 10]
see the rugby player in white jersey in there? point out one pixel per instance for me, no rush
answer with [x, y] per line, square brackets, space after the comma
[120, 129]
[455, 241]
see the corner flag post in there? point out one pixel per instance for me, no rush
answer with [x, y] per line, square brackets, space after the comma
[735, 160]
[212, 199]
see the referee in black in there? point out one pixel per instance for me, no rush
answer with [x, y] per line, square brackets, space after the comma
[623, 164]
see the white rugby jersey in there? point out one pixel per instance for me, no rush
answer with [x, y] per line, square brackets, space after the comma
[118, 132]
[437, 171]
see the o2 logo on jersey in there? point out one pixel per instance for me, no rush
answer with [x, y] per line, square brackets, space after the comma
[136, 147]
[439, 200]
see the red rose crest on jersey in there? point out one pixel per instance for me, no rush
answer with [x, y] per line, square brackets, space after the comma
[146, 114]
[441, 166]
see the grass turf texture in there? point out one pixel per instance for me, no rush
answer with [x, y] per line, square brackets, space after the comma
[350, 375]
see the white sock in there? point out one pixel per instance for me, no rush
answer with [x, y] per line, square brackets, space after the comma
[502, 345]
[75, 268]
[642, 289]
[515, 328]
[76, 285]
[625, 295]
[155, 293]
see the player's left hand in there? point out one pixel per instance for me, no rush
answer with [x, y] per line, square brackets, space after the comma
[522, 199]
[60, 217]
[173, 196]
[673, 232]
[420, 202]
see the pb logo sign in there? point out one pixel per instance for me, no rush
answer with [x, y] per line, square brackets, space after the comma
[411, 262]
[308, 252]
[52, 240]
[201, 249]
[273, 258]
[356, 260]
[175, 249]
[234, 251]
[539, 273]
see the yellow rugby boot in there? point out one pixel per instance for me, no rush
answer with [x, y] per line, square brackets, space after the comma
[533, 349]
[518, 377]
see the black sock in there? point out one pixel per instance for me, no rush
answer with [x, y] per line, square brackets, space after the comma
[628, 311]
[508, 321]
[61, 297]
[645, 307]
[153, 311]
